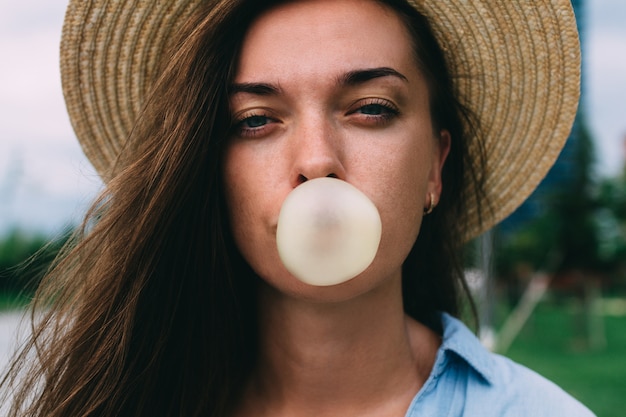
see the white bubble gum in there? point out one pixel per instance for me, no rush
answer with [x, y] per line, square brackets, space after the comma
[328, 232]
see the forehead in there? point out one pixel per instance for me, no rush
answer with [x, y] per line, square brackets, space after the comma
[317, 36]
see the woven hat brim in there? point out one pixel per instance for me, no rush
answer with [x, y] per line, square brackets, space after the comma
[515, 64]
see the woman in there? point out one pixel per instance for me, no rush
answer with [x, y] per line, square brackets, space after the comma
[176, 302]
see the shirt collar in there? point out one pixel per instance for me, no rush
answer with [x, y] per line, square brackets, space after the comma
[460, 341]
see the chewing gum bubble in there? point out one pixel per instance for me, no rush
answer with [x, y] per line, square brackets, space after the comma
[328, 232]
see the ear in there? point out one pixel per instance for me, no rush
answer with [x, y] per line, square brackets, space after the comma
[440, 153]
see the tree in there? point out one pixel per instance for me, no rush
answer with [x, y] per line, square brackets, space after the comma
[24, 258]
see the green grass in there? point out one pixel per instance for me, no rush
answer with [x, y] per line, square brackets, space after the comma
[553, 344]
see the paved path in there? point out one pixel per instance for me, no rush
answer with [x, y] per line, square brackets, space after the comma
[12, 324]
[9, 326]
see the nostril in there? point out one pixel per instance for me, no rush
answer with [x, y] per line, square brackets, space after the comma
[302, 178]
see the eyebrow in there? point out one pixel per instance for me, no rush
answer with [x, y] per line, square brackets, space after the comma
[259, 89]
[361, 76]
[351, 78]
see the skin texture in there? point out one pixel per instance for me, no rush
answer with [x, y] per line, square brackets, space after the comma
[331, 88]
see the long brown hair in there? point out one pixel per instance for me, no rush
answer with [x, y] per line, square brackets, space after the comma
[151, 311]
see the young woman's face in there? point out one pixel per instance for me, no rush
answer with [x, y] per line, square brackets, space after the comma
[330, 88]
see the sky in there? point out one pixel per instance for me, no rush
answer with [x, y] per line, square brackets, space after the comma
[46, 183]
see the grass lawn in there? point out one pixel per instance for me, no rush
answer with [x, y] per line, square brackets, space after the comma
[551, 344]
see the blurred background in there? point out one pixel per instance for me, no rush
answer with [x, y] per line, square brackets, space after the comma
[550, 281]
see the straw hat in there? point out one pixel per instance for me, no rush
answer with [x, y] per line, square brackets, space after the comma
[516, 64]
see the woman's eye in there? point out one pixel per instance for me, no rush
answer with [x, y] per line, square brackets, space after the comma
[252, 125]
[255, 121]
[378, 111]
[373, 109]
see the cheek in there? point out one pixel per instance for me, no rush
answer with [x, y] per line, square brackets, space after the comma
[401, 213]
[401, 198]
[253, 206]
[237, 188]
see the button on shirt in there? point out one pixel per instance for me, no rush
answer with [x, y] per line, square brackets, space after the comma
[468, 380]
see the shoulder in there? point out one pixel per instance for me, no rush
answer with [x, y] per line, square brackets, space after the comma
[515, 390]
[468, 380]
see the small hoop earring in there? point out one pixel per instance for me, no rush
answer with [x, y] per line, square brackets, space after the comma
[431, 206]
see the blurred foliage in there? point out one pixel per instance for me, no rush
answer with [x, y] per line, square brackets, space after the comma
[24, 259]
[572, 207]
[581, 231]
[611, 220]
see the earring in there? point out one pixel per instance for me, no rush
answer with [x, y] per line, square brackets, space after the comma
[431, 206]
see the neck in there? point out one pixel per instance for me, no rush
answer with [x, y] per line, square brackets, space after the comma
[340, 358]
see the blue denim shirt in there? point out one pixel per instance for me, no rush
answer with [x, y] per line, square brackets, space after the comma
[468, 380]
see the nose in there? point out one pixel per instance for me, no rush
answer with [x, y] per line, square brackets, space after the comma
[317, 152]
